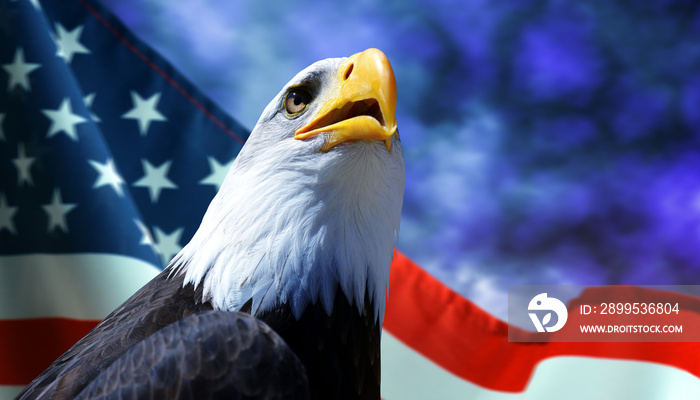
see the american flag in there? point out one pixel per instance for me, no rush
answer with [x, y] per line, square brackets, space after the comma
[109, 158]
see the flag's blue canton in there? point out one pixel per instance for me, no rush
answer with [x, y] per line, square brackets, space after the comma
[103, 147]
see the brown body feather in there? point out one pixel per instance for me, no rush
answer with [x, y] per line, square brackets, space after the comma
[159, 303]
[340, 352]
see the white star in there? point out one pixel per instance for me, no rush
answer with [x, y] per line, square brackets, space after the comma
[108, 176]
[89, 99]
[144, 111]
[23, 164]
[155, 179]
[168, 245]
[218, 173]
[68, 42]
[2, 131]
[19, 71]
[57, 211]
[63, 120]
[6, 215]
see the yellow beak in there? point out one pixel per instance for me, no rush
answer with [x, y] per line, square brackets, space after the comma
[362, 106]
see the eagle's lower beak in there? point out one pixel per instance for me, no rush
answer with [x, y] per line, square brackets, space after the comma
[363, 104]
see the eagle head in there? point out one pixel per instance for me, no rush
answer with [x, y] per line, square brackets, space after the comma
[312, 204]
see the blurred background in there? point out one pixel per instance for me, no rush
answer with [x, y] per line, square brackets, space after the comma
[546, 142]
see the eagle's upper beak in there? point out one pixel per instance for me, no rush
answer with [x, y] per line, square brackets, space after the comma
[362, 106]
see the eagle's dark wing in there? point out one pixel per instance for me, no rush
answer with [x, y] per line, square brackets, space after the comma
[159, 303]
[211, 355]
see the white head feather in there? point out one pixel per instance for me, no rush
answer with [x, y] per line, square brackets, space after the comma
[291, 224]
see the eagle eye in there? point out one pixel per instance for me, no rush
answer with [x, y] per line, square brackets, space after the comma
[296, 101]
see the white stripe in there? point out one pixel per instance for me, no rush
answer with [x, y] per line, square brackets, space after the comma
[9, 392]
[407, 375]
[81, 286]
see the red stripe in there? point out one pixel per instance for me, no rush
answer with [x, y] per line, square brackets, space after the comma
[28, 346]
[162, 73]
[467, 341]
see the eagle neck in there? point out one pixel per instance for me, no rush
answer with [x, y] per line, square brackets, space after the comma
[298, 230]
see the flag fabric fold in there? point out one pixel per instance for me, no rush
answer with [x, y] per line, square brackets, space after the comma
[437, 344]
[109, 159]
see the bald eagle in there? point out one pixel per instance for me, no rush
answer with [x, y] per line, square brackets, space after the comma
[281, 291]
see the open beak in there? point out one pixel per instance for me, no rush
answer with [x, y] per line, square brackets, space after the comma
[363, 104]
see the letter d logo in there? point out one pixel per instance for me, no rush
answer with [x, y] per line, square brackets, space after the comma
[543, 303]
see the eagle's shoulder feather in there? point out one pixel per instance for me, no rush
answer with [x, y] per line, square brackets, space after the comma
[159, 303]
[212, 354]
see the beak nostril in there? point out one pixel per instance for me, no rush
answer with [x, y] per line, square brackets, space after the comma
[348, 72]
